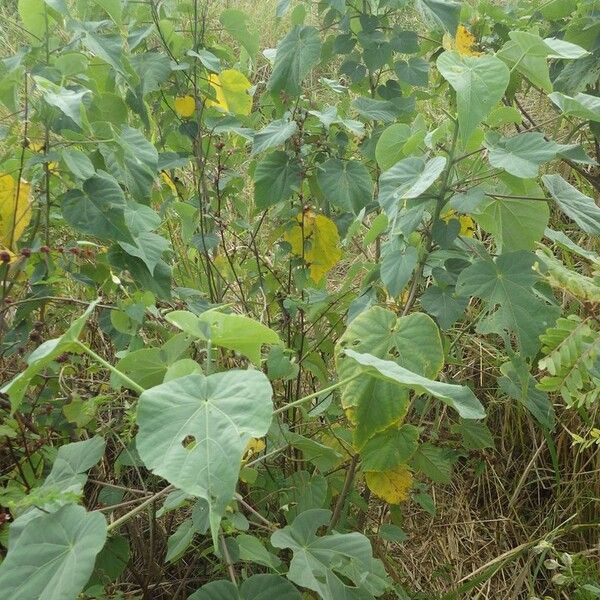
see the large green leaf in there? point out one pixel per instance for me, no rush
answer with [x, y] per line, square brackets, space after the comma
[459, 397]
[445, 14]
[579, 207]
[98, 209]
[414, 341]
[235, 332]
[297, 54]
[479, 82]
[276, 177]
[521, 155]
[582, 106]
[325, 564]
[390, 145]
[506, 287]
[257, 587]
[346, 184]
[407, 179]
[54, 556]
[43, 355]
[193, 431]
[515, 224]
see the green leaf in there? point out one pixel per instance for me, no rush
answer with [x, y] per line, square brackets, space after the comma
[414, 71]
[253, 550]
[98, 209]
[78, 163]
[180, 540]
[33, 15]
[391, 448]
[407, 179]
[276, 177]
[234, 332]
[384, 110]
[235, 23]
[193, 432]
[444, 14]
[518, 383]
[297, 53]
[397, 268]
[149, 247]
[153, 69]
[582, 106]
[459, 397]
[257, 587]
[274, 134]
[54, 555]
[515, 224]
[434, 462]
[579, 207]
[479, 82]
[325, 564]
[506, 287]
[521, 155]
[413, 341]
[346, 184]
[43, 355]
[475, 435]
[444, 304]
[69, 102]
[391, 144]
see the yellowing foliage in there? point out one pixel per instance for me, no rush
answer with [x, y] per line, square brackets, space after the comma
[391, 486]
[254, 446]
[467, 225]
[15, 209]
[185, 106]
[231, 89]
[315, 239]
[464, 42]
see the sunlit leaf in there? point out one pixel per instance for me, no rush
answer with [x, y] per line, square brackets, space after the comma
[15, 209]
[185, 106]
[231, 88]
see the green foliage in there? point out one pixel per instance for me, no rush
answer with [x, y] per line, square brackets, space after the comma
[345, 256]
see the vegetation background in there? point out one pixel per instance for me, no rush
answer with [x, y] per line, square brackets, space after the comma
[246, 217]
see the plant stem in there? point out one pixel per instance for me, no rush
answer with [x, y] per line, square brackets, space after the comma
[339, 506]
[130, 382]
[316, 394]
[140, 508]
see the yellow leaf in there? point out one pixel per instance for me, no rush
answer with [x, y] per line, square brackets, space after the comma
[15, 209]
[231, 89]
[254, 446]
[467, 225]
[185, 106]
[465, 42]
[391, 486]
[169, 182]
[315, 239]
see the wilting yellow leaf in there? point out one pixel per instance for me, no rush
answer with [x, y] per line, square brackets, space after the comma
[465, 42]
[315, 238]
[167, 179]
[231, 89]
[15, 209]
[254, 446]
[467, 225]
[185, 106]
[391, 486]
